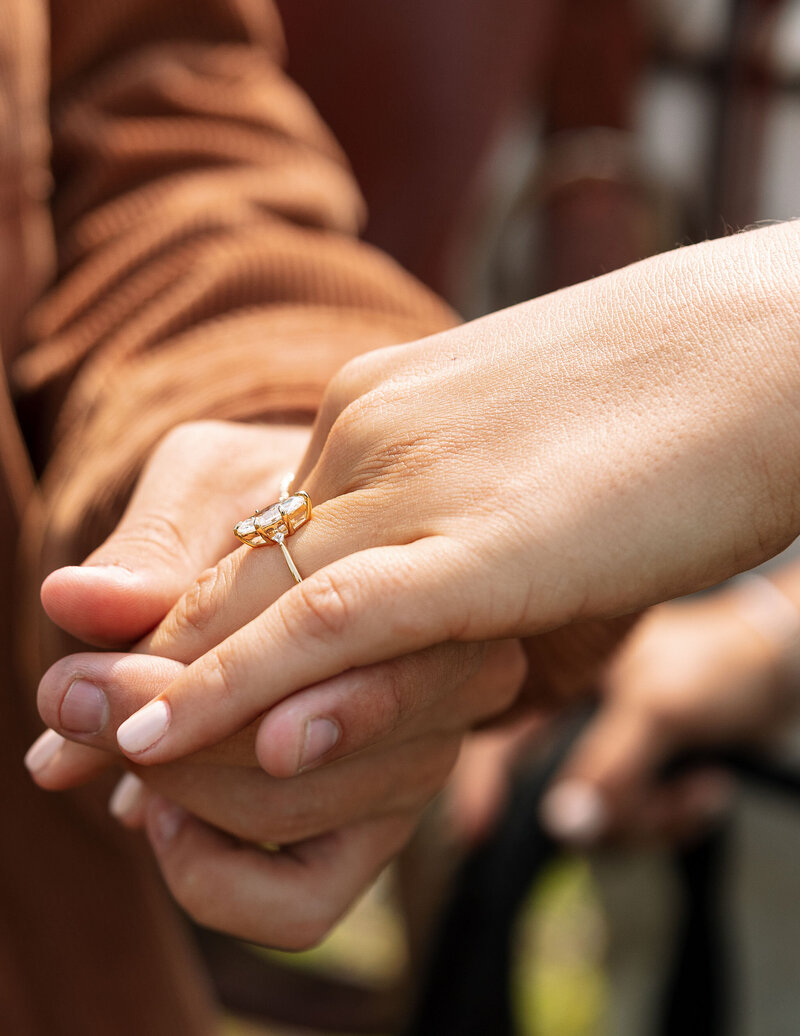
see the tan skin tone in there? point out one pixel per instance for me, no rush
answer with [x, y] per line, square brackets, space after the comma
[717, 670]
[344, 822]
[580, 456]
[693, 674]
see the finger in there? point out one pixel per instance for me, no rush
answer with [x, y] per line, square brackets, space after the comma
[361, 707]
[224, 598]
[128, 802]
[243, 584]
[56, 764]
[606, 775]
[85, 697]
[365, 609]
[224, 784]
[202, 476]
[678, 811]
[477, 790]
[288, 899]
[249, 804]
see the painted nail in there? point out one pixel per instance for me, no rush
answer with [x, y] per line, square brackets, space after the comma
[141, 730]
[573, 811]
[43, 750]
[126, 797]
[84, 709]
[321, 736]
[165, 821]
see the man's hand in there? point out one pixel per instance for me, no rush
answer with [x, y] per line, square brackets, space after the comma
[699, 673]
[339, 824]
[200, 480]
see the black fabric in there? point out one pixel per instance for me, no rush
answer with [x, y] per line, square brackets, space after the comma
[467, 991]
[696, 992]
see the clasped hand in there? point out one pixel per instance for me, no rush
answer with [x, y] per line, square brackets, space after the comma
[475, 486]
[387, 733]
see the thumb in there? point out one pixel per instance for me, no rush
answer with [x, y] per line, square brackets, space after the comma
[606, 777]
[201, 479]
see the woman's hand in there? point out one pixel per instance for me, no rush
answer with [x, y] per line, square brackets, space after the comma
[579, 456]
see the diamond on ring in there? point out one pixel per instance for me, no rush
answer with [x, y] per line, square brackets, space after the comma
[274, 523]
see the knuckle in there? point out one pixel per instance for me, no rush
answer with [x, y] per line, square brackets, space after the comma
[160, 534]
[199, 606]
[188, 886]
[349, 380]
[184, 438]
[506, 694]
[290, 823]
[304, 933]
[511, 682]
[395, 698]
[349, 432]
[180, 443]
[455, 664]
[326, 605]
[197, 448]
[409, 455]
[502, 677]
[342, 391]
[223, 673]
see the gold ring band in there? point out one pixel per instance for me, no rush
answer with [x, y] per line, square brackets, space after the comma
[274, 524]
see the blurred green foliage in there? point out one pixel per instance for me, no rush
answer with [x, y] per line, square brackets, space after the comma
[558, 983]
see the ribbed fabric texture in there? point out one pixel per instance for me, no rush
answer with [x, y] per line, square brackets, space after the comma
[201, 254]
[205, 225]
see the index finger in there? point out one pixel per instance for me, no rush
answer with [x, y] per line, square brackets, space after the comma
[369, 607]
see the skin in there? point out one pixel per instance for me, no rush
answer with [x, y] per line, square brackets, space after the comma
[339, 826]
[705, 672]
[647, 450]
[718, 670]
[693, 674]
[574, 458]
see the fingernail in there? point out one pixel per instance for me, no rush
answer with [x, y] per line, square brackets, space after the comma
[321, 736]
[574, 812]
[84, 709]
[126, 797]
[166, 820]
[144, 728]
[43, 750]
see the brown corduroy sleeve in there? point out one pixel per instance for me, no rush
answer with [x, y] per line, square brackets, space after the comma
[206, 229]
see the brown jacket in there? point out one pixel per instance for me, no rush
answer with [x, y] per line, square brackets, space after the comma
[177, 240]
